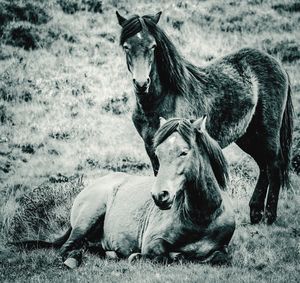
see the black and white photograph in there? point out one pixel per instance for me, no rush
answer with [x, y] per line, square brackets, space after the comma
[150, 141]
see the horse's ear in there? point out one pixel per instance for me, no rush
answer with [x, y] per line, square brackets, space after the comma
[162, 121]
[156, 17]
[200, 124]
[121, 19]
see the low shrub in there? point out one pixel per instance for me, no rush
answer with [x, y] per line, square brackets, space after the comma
[12, 90]
[117, 105]
[32, 12]
[287, 7]
[286, 50]
[5, 115]
[36, 208]
[22, 34]
[73, 6]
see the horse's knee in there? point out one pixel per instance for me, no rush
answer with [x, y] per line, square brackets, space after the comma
[155, 249]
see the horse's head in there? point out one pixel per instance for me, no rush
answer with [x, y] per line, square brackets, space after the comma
[139, 46]
[179, 159]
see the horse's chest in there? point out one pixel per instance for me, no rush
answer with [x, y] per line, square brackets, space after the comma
[168, 226]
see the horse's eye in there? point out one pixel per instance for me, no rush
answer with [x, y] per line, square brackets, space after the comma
[183, 153]
[153, 47]
[126, 48]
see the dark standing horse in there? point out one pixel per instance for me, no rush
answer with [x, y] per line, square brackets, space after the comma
[246, 96]
[193, 217]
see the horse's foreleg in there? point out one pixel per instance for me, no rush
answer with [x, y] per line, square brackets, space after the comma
[204, 251]
[155, 251]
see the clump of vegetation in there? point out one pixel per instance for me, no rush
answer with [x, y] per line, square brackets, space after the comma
[5, 166]
[108, 36]
[22, 34]
[286, 50]
[123, 164]
[60, 135]
[13, 90]
[287, 7]
[33, 12]
[28, 148]
[73, 6]
[128, 164]
[30, 36]
[117, 105]
[5, 115]
[23, 24]
[36, 208]
[296, 163]
[250, 20]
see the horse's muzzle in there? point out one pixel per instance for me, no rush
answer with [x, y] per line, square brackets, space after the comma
[141, 88]
[163, 200]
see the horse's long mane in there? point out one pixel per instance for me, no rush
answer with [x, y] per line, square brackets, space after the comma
[215, 155]
[174, 71]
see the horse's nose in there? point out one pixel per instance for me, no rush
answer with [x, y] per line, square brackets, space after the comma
[162, 199]
[141, 86]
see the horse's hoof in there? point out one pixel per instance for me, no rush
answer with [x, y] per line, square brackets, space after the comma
[176, 256]
[270, 218]
[256, 216]
[111, 255]
[71, 263]
[134, 257]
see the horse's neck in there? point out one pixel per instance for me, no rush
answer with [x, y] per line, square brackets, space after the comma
[202, 197]
[163, 98]
[158, 101]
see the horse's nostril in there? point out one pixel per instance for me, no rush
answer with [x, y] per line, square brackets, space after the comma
[141, 86]
[162, 199]
[163, 196]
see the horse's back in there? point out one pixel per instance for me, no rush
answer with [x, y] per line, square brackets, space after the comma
[126, 213]
[266, 69]
[239, 84]
[91, 198]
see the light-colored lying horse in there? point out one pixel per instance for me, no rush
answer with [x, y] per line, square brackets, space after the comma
[191, 215]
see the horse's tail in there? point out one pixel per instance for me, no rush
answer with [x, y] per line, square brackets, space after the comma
[40, 244]
[286, 136]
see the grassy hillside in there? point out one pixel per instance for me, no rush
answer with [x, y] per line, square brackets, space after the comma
[65, 118]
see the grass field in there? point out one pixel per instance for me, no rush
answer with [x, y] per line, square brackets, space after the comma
[65, 118]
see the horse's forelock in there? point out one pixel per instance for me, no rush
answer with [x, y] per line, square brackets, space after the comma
[131, 27]
[182, 126]
[134, 25]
